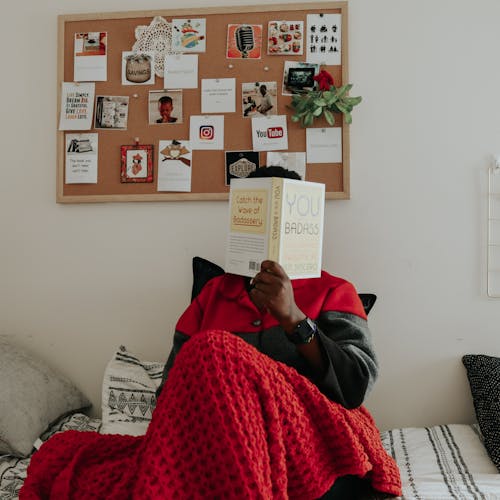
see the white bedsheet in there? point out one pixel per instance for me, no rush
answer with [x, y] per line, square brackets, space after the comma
[443, 462]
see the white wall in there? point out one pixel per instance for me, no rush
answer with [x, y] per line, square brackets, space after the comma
[77, 281]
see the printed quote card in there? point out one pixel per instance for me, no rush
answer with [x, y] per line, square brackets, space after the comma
[77, 106]
[81, 158]
[218, 95]
[324, 145]
[181, 71]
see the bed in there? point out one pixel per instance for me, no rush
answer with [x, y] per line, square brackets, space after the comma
[13, 468]
[438, 462]
[441, 462]
[454, 461]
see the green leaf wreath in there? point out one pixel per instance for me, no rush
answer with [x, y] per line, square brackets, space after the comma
[325, 100]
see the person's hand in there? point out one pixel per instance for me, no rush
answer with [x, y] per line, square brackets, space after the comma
[272, 290]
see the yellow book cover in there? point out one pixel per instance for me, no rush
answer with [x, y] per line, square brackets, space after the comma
[277, 219]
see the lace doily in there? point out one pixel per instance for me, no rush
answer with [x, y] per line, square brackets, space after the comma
[157, 38]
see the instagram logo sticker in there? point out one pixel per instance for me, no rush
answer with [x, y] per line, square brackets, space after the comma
[207, 132]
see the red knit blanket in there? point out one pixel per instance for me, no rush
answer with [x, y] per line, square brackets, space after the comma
[230, 423]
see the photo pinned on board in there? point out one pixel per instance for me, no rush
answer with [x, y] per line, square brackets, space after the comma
[165, 107]
[111, 112]
[298, 75]
[259, 99]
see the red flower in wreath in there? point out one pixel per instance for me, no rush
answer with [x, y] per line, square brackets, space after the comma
[324, 79]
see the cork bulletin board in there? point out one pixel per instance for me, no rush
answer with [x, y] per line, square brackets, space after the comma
[208, 175]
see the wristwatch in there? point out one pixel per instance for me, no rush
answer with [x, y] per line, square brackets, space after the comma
[303, 333]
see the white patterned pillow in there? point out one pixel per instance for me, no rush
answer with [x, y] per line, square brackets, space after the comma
[128, 393]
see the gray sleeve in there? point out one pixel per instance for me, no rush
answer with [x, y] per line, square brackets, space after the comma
[352, 366]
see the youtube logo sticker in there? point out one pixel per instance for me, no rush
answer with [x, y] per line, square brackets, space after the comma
[269, 133]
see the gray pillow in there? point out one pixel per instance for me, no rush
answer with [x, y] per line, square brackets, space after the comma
[32, 396]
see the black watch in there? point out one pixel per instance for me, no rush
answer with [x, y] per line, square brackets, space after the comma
[303, 333]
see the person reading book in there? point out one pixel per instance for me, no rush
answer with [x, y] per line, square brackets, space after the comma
[260, 399]
[315, 326]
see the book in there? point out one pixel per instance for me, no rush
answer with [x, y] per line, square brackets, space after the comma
[273, 218]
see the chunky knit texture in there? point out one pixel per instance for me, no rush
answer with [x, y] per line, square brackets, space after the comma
[230, 423]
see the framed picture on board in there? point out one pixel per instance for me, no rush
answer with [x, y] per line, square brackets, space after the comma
[137, 163]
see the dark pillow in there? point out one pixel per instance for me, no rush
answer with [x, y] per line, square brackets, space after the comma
[368, 300]
[204, 270]
[483, 373]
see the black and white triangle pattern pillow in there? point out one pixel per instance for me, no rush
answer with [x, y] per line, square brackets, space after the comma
[129, 393]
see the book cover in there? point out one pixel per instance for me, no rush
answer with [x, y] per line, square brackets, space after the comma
[276, 219]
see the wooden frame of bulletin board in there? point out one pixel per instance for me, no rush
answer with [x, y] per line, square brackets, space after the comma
[208, 175]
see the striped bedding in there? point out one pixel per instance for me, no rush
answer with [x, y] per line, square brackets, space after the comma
[13, 470]
[443, 462]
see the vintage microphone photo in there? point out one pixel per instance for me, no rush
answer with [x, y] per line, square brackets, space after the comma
[244, 40]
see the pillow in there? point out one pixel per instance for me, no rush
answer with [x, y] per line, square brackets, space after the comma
[483, 373]
[368, 300]
[204, 270]
[129, 393]
[32, 397]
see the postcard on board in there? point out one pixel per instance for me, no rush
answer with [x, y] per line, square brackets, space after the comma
[206, 132]
[244, 41]
[77, 106]
[181, 71]
[189, 35]
[90, 57]
[81, 158]
[324, 145]
[174, 166]
[218, 95]
[269, 133]
[323, 39]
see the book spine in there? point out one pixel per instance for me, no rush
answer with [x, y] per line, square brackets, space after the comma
[276, 212]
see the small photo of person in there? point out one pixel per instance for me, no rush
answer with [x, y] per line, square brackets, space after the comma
[259, 99]
[165, 107]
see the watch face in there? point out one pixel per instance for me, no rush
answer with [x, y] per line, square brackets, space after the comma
[304, 332]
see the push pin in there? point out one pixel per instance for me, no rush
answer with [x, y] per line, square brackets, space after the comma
[230, 66]
[135, 95]
[136, 141]
[266, 68]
